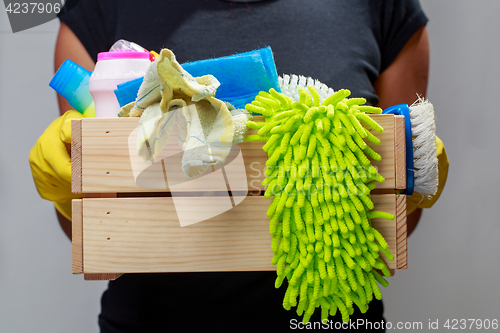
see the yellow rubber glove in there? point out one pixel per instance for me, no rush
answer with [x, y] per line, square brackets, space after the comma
[417, 200]
[50, 163]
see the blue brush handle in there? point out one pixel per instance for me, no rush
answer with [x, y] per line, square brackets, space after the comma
[404, 110]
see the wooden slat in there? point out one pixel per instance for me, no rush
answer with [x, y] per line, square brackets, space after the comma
[76, 155]
[107, 167]
[100, 195]
[386, 166]
[401, 232]
[400, 152]
[77, 236]
[126, 235]
[101, 276]
[95, 276]
[255, 158]
[386, 203]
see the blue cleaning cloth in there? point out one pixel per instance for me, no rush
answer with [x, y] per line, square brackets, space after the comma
[242, 76]
[127, 92]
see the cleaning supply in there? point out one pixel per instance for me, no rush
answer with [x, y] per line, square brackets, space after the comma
[421, 140]
[71, 81]
[168, 87]
[241, 75]
[164, 81]
[205, 145]
[113, 68]
[127, 92]
[421, 157]
[50, 163]
[320, 176]
[169, 96]
[125, 45]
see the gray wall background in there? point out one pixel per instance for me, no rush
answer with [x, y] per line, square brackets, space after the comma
[454, 260]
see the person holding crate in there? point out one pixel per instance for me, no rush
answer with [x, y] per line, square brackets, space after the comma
[377, 49]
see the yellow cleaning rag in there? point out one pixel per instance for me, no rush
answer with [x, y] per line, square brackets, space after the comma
[170, 96]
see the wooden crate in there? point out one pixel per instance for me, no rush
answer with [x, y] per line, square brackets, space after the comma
[120, 227]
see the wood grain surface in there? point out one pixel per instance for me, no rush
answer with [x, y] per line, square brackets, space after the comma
[401, 233]
[77, 236]
[76, 155]
[109, 162]
[114, 235]
[400, 152]
[125, 235]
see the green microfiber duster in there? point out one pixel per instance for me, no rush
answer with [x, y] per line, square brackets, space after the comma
[320, 176]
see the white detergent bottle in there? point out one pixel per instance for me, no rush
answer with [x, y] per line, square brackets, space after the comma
[113, 68]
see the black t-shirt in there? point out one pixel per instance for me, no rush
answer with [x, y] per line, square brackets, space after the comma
[344, 44]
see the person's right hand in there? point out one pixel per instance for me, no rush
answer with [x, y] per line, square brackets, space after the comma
[50, 163]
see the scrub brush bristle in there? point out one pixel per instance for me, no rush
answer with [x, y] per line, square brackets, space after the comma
[290, 85]
[423, 128]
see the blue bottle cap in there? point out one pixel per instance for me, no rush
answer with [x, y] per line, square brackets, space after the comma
[71, 81]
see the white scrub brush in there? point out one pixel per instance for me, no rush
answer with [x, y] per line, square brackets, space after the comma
[421, 156]
[420, 132]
